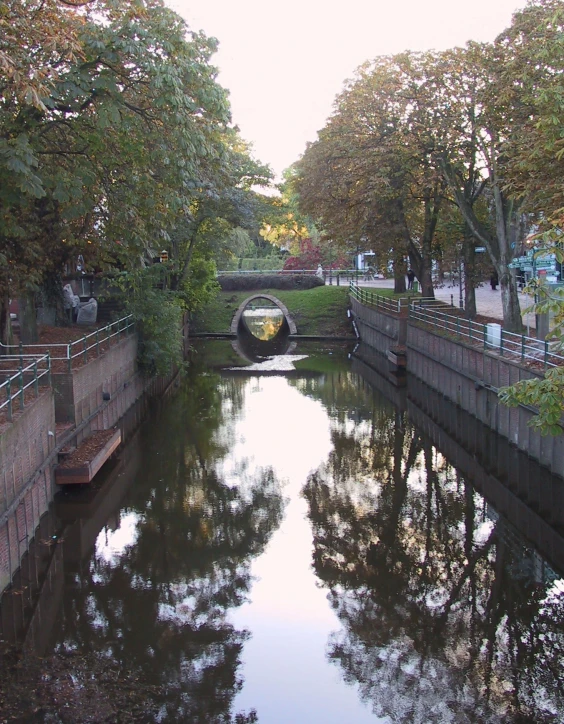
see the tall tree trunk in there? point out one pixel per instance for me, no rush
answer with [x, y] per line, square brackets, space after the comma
[28, 319]
[512, 319]
[400, 270]
[501, 247]
[5, 324]
[469, 256]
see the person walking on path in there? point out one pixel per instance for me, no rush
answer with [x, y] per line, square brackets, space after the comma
[494, 280]
[410, 278]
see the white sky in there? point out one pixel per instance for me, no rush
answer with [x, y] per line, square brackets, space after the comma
[284, 62]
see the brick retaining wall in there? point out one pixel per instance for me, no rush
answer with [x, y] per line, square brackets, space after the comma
[28, 452]
[25, 487]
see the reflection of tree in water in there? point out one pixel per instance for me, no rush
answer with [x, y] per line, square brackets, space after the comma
[442, 619]
[161, 605]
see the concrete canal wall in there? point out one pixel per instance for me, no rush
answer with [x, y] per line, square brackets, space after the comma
[466, 375]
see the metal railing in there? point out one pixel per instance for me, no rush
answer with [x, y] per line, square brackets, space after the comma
[378, 301]
[80, 348]
[492, 337]
[21, 373]
[518, 347]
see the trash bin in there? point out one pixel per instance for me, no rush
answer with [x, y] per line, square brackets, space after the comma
[416, 286]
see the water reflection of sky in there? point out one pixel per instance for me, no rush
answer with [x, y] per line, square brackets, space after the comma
[287, 675]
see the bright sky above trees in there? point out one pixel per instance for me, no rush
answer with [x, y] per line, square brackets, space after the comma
[284, 63]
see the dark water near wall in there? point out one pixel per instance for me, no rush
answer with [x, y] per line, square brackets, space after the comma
[281, 539]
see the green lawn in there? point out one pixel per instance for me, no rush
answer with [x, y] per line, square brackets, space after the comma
[320, 311]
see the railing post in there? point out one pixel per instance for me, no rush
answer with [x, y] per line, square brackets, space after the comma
[545, 353]
[69, 358]
[35, 380]
[9, 398]
[457, 327]
[485, 336]
[21, 354]
[49, 369]
[21, 390]
[501, 343]
[470, 329]
[522, 348]
[97, 344]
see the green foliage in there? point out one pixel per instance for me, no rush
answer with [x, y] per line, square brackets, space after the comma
[267, 263]
[158, 317]
[546, 395]
[201, 284]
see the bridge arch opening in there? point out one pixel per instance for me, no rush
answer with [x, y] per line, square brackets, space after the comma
[264, 317]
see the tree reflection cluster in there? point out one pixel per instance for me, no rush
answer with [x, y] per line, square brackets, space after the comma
[447, 615]
[160, 607]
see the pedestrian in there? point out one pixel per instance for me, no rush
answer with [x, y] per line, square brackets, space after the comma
[410, 278]
[319, 272]
[494, 280]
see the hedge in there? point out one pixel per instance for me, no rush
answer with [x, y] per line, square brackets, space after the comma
[244, 282]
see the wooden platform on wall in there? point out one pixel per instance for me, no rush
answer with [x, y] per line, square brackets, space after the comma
[84, 462]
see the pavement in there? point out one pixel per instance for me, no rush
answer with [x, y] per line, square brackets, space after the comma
[488, 301]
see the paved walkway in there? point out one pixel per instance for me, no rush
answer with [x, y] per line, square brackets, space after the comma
[488, 302]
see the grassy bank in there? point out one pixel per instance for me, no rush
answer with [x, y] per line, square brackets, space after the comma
[321, 310]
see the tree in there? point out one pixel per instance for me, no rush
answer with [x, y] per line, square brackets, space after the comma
[123, 132]
[226, 199]
[371, 176]
[285, 225]
[473, 159]
[530, 84]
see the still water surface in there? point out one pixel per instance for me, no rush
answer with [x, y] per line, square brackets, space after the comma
[291, 548]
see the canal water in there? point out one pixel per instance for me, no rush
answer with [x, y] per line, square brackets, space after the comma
[280, 543]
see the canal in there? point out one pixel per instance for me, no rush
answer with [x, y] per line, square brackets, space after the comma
[280, 542]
